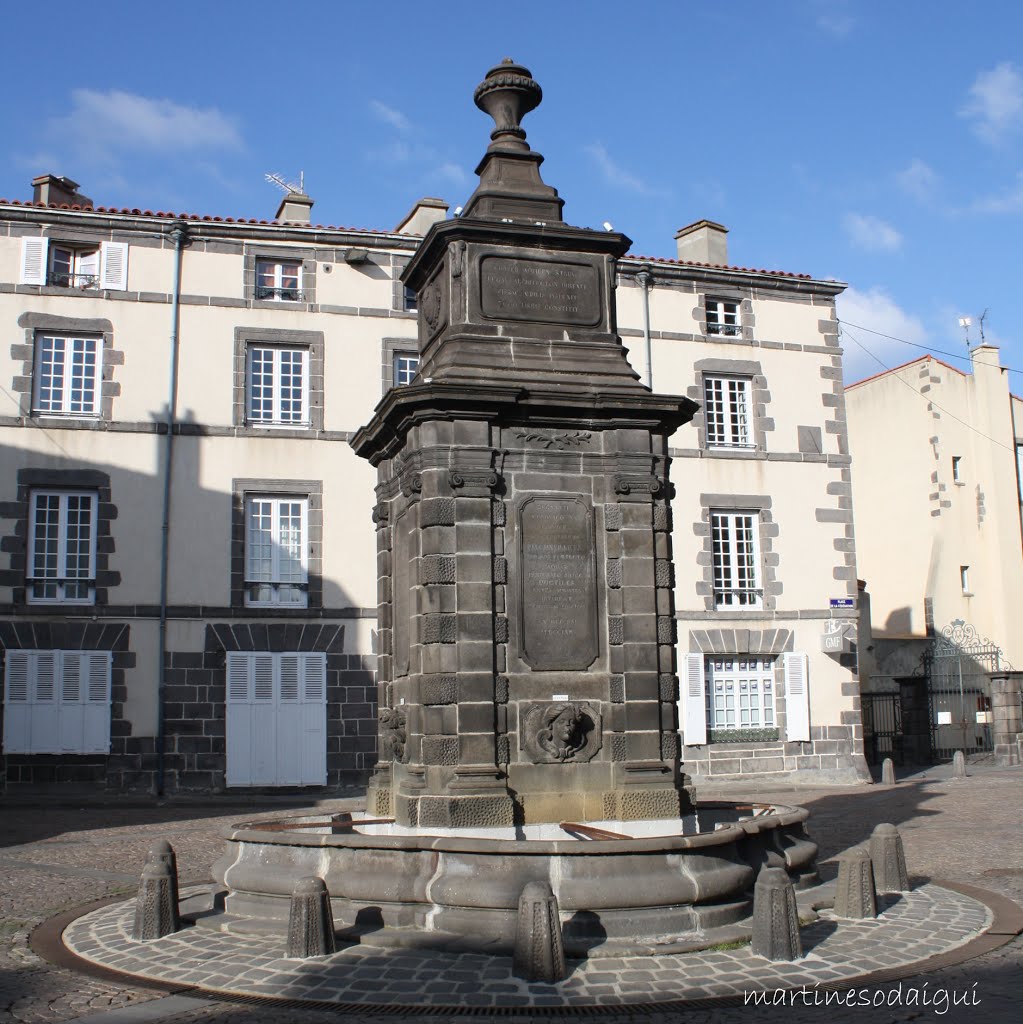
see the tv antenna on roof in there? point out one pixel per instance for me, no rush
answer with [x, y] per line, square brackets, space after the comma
[288, 187]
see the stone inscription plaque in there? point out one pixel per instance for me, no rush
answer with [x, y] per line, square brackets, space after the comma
[544, 291]
[401, 595]
[557, 583]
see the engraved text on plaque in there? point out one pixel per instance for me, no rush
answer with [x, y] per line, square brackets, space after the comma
[540, 290]
[557, 583]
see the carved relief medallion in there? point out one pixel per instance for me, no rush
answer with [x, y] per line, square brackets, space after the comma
[560, 733]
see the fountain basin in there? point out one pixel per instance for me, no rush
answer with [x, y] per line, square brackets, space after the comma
[669, 882]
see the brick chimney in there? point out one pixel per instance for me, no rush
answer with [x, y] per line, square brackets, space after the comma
[703, 242]
[294, 209]
[55, 188]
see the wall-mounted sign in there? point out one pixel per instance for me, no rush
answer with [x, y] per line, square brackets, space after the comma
[837, 637]
[843, 602]
[983, 717]
[944, 718]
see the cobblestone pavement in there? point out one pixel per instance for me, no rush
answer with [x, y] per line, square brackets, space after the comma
[55, 857]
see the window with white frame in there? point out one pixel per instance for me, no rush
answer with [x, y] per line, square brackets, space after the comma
[81, 265]
[57, 702]
[723, 317]
[964, 578]
[726, 411]
[736, 559]
[277, 386]
[276, 565]
[279, 280]
[66, 381]
[406, 366]
[62, 547]
[740, 692]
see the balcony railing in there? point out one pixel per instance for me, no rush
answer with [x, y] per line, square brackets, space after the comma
[279, 294]
[727, 330]
[739, 597]
[60, 280]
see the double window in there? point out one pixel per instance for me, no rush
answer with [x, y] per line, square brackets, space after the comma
[62, 547]
[276, 551]
[727, 412]
[57, 702]
[277, 386]
[740, 692]
[67, 378]
[80, 265]
[279, 280]
[736, 560]
[723, 317]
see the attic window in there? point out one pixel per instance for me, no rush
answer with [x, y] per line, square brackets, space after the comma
[71, 264]
[723, 317]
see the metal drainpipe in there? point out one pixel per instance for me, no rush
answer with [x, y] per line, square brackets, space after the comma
[179, 235]
[646, 282]
[1015, 459]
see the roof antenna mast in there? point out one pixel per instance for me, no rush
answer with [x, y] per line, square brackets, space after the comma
[964, 323]
[287, 187]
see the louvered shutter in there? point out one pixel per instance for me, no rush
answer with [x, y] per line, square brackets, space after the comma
[314, 720]
[33, 260]
[17, 710]
[95, 672]
[113, 266]
[288, 723]
[69, 683]
[797, 697]
[694, 711]
[239, 719]
[45, 731]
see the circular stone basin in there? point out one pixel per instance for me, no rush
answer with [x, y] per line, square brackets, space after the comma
[667, 882]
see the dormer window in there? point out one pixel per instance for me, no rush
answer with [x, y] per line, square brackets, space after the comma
[84, 266]
[279, 280]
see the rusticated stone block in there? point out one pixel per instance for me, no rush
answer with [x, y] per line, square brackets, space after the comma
[500, 570]
[310, 923]
[662, 518]
[669, 745]
[614, 573]
[855, 896]
[437, 512]
[616, 689]
[640, 804]
[887, 772]
[612, 518]
[888, 858]
[615, 630]
[501, 629]
[440, 750]
[439, 690]
[667, 685]
[619, 747]
[438, 628]
[156, 914]
[437, 569]
[501, 689]
[775, 919]
[539, 953]
[665, 629]
[662, 573]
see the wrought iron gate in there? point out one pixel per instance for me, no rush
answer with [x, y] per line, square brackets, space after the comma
[959, 666]
[882, 727]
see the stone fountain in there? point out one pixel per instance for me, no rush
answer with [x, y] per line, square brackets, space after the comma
[526, 663]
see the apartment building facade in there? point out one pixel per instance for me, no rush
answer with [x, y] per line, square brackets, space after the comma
[937, 454]
[187, 572]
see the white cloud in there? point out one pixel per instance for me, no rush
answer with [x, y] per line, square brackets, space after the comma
[615, 174]
[833, 17]
[395, 118]
[102, 124]
[995, 104]
[449, 171]
[918, 180]
[874, 310]
[871, 232]
[1009, 201]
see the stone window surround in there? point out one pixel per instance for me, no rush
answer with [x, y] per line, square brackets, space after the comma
[312, 491]
[398, 265]
[44, 323]
[305, 255]
[760, 396]
[389, 348]
[768, 530]
[747, 318]
[312, 341]
[34, 479]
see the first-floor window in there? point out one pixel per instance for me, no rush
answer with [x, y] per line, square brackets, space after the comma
[406, 366]
[66, 379]
[276, 551]
[740, 692]
[276, 719]
[57, 702]
[736, 559]
[62, 547]
[726, 410]
[277, 385]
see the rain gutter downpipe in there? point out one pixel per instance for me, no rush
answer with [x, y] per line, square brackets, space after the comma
[646, 282]
[179, 236]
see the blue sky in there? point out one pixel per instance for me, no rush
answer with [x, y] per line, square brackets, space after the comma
[881, 144]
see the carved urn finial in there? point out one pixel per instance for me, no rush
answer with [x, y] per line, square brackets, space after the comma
[507, 94]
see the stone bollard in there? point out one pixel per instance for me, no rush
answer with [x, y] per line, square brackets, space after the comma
[156, 913]
[887, 772]
[311, 922]
[958, 765]
[161, 852]
[888, 859]
[855, 896]
[539, 952]
[775, 920]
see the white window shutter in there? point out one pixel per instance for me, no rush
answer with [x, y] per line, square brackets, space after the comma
[314, 720]
[45, 677]
[797, 697]
[113, 264]
[16, 690]
[71, 678]
[45, 721]
[33, 260]
[17, 710]
[289, 677]
[694, 730]
[237, 678]
[96, 702]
